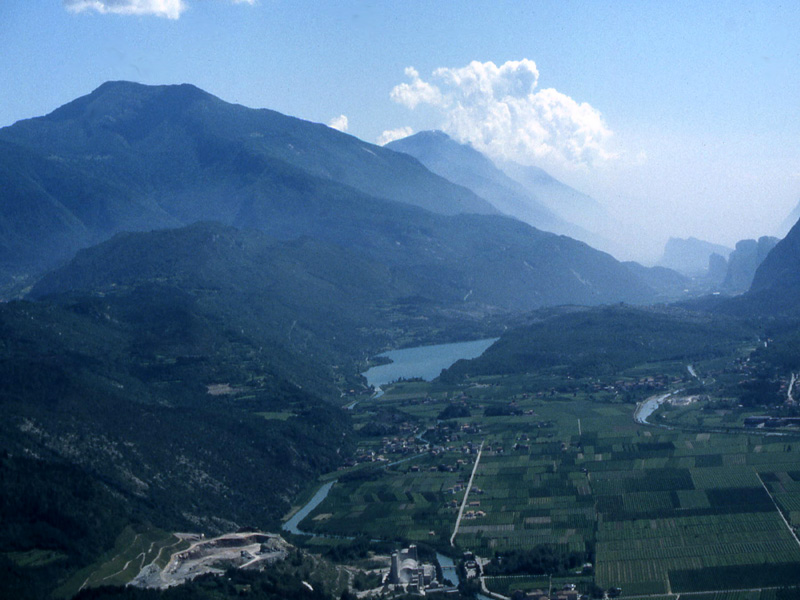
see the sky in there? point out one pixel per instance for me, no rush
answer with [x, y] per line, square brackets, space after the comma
[682, 118]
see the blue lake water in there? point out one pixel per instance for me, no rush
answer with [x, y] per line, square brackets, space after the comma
[425, 362]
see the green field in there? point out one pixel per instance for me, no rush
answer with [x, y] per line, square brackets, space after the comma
[658, 511]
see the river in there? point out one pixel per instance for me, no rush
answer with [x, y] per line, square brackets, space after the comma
[291, 524]
[449, 571]
[649, 406]
[425, 362]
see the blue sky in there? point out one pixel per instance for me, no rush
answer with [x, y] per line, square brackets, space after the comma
[691, 108]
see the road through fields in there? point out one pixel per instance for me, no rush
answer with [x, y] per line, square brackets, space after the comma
[466, 495]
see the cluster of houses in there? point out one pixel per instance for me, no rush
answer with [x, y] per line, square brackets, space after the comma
[473, 514]
[651, 383]
[451, 432]
[402, 446]
[396, 446]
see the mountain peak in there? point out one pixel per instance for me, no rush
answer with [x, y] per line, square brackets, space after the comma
[530, 195]
[431, 143]
[122, 88]
[432, 134]
[124, 98]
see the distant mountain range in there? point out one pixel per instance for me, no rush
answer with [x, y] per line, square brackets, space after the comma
[776, 284]
[568, 203]
[744, 261]
[526, 193]
[668, 283]
[690, 256]
[789, 222]
[708, 267]
[129, 157]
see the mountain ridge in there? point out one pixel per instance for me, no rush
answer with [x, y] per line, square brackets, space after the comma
[133, 157]
[464, 165]
[165, 156]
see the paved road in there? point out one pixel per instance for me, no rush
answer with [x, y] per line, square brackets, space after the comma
[466, 495]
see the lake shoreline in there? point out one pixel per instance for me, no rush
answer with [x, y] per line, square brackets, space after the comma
[423, 362]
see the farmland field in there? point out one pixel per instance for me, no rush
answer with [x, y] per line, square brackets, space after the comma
[566, 471]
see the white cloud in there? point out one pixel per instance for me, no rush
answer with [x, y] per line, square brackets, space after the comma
[416, 92]
[170, 9]
[500, 111]
[339, 123]
[391, 135]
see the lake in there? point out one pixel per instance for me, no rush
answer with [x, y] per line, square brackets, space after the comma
[425, 362]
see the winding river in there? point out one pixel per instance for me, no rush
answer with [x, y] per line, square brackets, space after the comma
[649, 406]
[292, 524]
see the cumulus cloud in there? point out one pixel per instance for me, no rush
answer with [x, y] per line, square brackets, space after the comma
[416, 92]
[339, 123]
[501, 111]
[169, 9]
[391, 135]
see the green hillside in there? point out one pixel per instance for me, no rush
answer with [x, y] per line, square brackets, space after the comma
[143, 408]
[604, 341]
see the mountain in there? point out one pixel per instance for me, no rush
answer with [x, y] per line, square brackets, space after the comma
[669, 284]
[566, 202]
[314, 301]
[717, 270]
[789, 221]
[744, 261]
[604, 341]
[726, 276]
[310, 301]
[776, 284]
[775, 289]
[446, 266]
[462, 164]
[137, 410]
[690, 256]
[129, 157]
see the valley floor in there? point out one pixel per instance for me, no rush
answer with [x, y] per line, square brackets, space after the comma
[577, 486]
